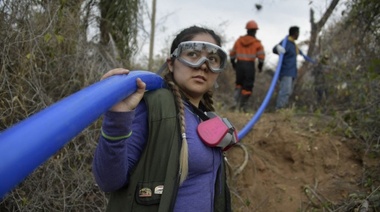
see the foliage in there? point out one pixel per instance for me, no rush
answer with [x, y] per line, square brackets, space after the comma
[40, 47]
[348, 75]
[365, 13]
[45, 56]
[119, 22]
[352, 74]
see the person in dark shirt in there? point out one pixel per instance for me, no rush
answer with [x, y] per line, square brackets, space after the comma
[288, 71]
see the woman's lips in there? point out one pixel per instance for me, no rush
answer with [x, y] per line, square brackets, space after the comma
[200, 77]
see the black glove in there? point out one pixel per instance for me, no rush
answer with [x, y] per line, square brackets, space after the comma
[233, 63]
[260, 66]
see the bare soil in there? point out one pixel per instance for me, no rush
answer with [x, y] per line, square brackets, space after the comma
[291, 163]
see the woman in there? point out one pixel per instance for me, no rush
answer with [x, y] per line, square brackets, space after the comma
[150, 155]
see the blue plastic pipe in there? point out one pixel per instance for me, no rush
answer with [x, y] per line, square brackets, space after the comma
[243, 132]
[28, 144]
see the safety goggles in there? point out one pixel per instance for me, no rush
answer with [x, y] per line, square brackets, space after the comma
[195, 53]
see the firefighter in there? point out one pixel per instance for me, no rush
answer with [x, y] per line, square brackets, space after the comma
[246, 50]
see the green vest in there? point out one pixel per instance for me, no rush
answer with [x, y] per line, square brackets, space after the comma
[154, 182]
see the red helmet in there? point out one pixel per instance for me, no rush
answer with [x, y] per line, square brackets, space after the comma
[251, 25]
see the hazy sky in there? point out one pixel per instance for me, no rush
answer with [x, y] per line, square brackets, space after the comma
[228, 17]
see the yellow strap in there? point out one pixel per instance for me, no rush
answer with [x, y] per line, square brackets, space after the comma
[115, 138]
[292, 40]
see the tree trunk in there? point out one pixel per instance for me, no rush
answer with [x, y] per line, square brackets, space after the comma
[317, 27]
[152, 32]
[308, 68]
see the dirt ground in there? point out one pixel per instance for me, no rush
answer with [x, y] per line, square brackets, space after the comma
[290, 162]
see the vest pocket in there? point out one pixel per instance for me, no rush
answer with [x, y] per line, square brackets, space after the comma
[149, 193]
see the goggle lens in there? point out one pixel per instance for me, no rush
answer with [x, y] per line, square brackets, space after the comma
[195, 53]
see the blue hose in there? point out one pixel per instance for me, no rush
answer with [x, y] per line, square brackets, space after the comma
[26, 145]
[243, 132]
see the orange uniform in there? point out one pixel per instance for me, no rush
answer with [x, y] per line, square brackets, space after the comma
[247, 48]
[243, 57]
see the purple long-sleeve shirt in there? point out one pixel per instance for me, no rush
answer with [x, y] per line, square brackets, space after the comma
[114, 159]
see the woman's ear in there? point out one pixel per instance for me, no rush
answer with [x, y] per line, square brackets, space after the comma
[169, 61]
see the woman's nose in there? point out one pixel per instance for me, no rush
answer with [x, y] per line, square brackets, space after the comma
[204, 66]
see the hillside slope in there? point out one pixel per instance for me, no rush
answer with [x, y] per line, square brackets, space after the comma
[292, 164]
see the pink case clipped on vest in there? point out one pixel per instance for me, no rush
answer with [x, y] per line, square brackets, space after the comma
[212, 131]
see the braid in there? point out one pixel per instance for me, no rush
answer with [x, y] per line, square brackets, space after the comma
[208, 101]
[184, 167]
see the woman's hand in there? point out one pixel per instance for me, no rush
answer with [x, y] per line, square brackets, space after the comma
[131, 101]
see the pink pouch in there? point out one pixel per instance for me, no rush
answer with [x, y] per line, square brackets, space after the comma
[212, 131]
[217, 132]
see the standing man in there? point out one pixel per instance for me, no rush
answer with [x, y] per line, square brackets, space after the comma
[243, 58]
[288, 71]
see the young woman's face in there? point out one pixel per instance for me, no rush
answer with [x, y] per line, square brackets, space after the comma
[194, 81]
